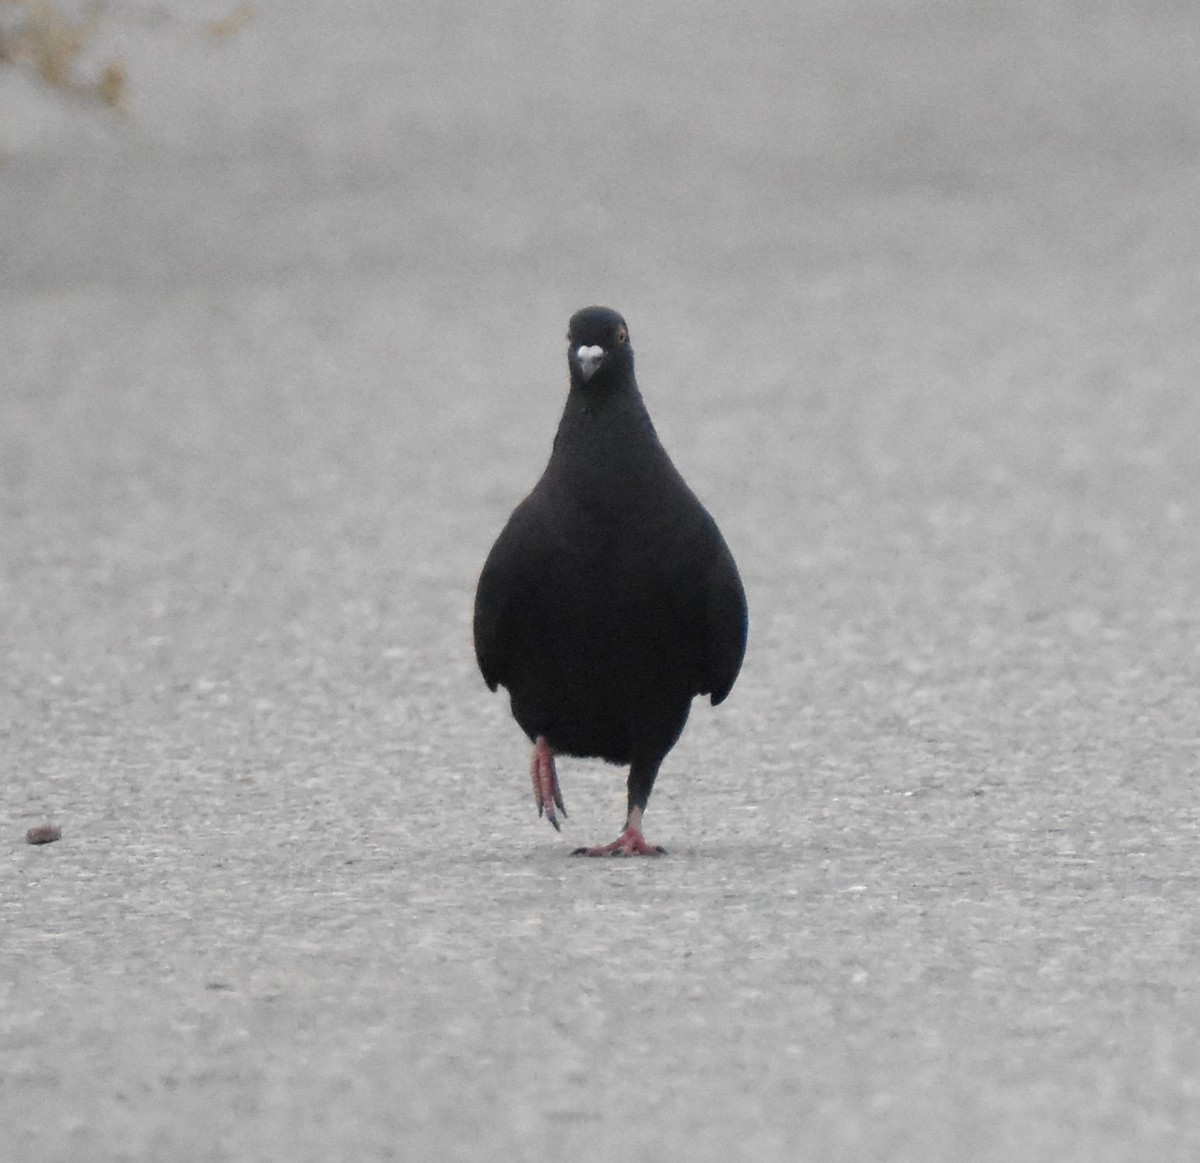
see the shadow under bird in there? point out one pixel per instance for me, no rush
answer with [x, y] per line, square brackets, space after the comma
[610, 599]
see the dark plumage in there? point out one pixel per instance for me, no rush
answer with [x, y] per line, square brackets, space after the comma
[610, 598]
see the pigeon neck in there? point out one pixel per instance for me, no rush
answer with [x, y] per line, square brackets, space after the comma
[598, 418]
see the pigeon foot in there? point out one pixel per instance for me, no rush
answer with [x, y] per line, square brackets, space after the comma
[546, 792]
[631, 842]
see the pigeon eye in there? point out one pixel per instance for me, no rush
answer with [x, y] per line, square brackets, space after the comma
[622, 335]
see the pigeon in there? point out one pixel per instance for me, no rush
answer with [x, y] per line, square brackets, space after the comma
[610, 599]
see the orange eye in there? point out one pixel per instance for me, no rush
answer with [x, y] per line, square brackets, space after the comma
[622, 335]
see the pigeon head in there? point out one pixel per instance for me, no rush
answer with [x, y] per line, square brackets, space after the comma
[598, 347]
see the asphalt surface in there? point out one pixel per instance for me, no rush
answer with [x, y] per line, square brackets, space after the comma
[915, 299]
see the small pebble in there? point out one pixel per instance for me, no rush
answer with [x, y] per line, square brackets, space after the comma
[43, 834]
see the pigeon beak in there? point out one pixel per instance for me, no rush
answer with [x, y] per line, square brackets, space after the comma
[590, 359]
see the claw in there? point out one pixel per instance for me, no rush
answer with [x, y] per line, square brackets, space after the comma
[546, 792]
[631, 842]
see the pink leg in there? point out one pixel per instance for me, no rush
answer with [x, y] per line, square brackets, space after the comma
[546, 793]
[631, 842]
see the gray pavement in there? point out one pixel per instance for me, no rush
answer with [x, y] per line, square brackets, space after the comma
[914, 295]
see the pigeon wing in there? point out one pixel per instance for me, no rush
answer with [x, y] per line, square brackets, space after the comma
[726, 622]
[500, 583]
[505, 583]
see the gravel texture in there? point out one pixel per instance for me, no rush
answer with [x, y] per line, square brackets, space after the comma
[914, 292]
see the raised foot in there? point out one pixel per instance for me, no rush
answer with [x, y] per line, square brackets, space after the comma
[631, 842]
[546, 793]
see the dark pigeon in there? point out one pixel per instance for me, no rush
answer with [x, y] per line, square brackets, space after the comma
[610, 599]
